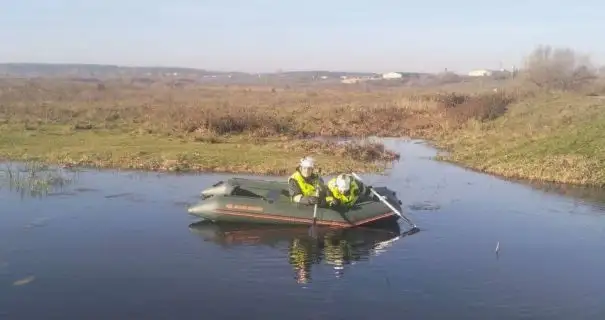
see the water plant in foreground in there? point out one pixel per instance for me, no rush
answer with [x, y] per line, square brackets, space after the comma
[33, 178]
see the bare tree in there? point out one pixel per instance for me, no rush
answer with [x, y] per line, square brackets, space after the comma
[559, 68]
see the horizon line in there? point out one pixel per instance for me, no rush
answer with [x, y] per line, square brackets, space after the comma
[160, 66]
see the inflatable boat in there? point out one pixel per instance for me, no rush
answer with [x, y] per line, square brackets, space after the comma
[245, 200]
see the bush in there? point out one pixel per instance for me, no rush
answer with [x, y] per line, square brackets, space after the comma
[459, 109]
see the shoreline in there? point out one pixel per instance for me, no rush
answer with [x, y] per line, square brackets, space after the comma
[114, 150]
[525, 135]
[444, 153]
[360, 167]
[527, 180]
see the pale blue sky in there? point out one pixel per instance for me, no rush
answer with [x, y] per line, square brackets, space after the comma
[265, 35]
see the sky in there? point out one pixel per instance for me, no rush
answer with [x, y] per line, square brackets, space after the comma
[269, 35]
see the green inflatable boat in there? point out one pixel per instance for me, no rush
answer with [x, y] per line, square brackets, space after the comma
[264, 201]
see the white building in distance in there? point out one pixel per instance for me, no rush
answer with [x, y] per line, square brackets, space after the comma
[392, 75]
[480, 73]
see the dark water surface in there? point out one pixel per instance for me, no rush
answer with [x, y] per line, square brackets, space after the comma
[118, 245]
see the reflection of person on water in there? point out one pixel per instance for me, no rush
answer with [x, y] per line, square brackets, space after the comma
[334, 253]
[303, 253]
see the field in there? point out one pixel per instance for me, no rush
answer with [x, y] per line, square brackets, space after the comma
[205, 128]
[544, 125]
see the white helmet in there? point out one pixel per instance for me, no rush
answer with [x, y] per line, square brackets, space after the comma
[343, 183]
[307, 162]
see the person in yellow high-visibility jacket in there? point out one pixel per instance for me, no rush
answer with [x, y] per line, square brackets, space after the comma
[345, 190]
[304, 185]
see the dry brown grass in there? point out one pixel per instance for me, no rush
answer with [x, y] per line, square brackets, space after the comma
[181, 125]
[209, 113]
[261, 130]
[355, 150]
[156, 126]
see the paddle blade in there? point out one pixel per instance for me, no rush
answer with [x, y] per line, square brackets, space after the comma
[313, 230]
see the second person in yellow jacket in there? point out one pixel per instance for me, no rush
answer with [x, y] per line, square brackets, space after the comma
[344, 190]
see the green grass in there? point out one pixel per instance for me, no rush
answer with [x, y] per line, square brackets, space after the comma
[556, 138]
[64, 145]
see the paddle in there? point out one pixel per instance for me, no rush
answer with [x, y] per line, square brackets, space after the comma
[383, 199]
[312, 229]
[315, 205]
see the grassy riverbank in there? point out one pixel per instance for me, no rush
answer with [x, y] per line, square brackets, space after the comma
[157, 125]
[550, 137]
[102, 148]
[552, 134]
[220, 129]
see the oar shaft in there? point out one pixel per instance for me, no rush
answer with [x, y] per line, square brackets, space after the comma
[383, 199]
[315, 205]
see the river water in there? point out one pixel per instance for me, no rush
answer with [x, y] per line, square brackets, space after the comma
[121, 244]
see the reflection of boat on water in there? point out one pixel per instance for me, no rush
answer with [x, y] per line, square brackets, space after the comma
[333, 246]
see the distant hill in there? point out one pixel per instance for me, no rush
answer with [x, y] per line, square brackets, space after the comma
[106, 70]
[98, 71]
[150, 74]
[321, 73]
